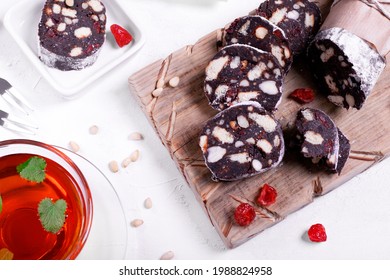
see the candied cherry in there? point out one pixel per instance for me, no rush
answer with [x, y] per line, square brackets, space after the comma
[121, 35]
[244, 214]
[267, 195]
[302, 95]
[317, 233]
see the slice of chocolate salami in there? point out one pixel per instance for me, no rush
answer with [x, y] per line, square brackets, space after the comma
[260, 33]
[239, 73]
[300, 20]
[321, 140]
[71, 33]
[346, 65]
[318, 134]
[241, 141]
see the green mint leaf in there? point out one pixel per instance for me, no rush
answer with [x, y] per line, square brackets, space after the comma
[1, 204]
[6, 254]
[33, 169]
[52, 215]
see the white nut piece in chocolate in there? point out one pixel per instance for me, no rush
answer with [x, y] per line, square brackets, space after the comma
[241, 141]
[69, 3]
[347, 66]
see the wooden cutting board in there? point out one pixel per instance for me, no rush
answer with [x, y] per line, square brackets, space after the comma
[179, 114]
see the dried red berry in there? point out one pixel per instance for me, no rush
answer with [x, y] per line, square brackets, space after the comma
[302, 95]
[244, 214]
[121, 35]
[267, 195]
[97, 27]
[51, 33]
[278, 34]
[92, 47]
[317, 233]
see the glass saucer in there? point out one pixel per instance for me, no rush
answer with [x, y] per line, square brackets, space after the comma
[108, 236]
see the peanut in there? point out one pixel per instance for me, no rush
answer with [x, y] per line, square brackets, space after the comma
[136, 222]
[157, 92]
[148, 203]
[174, 82]
[69, 3]
[74, 146]
[113, 165]
[167, 255]
[136, 136]
[134, 156]
[126, 162]
[93, 130]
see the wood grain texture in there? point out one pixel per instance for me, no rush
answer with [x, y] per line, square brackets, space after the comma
[179, 113]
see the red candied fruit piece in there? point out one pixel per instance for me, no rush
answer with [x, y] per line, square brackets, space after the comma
[267, 195]
[244, 214]
[323, 120]
[317, 233]
[121, 35]
[278, 34]
[302, 95]
[97, 27]
[92, 47]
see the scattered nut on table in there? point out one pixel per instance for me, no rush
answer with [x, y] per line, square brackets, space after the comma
[136, 136]
[136, 222]
[167, 255]
[134, 156]
[160, 83]
[148, 203]
[94, 129]
[126, 162]
[157, 92]
[174, 82]
[113, 165]
[74, 146]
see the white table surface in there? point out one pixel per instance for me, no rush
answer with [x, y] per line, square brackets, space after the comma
[356, 215]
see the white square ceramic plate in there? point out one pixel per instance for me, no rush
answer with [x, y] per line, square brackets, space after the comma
[22, 20]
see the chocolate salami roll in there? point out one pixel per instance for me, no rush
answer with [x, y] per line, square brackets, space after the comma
[260, 33]
[241, 141]
[71, 33]
[321, 140]
[300, 20]
[239, 73]
[345, 65]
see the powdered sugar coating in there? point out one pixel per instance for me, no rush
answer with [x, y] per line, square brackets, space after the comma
[51, 59]
[347, 65]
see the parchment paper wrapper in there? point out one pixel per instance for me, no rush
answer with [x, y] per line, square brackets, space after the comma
[362, 20]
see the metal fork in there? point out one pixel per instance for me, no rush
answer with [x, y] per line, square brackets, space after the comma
[13, 97]
[16, 124]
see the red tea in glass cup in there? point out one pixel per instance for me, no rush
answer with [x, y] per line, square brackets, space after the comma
[21, 231]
